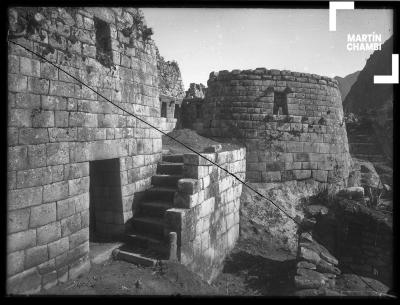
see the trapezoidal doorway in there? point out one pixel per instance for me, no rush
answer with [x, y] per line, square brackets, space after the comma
[105, 208]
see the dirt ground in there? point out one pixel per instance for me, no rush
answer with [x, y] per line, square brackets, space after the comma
[251, 269]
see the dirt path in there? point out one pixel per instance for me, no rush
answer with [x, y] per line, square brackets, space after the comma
[251, 269]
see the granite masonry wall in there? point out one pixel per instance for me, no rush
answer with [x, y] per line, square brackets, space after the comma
[171, 91]
[206, 217]
[192, 107]
[57, 128]
[361, 238]
[291, 123]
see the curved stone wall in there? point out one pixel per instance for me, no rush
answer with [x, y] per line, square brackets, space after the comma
[290, 122]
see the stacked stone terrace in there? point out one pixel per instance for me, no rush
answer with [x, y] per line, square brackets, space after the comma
[291, 123]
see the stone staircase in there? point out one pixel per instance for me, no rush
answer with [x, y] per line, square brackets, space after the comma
[147, 239]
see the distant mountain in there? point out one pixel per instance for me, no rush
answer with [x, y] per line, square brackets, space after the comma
[364, 95]
[346, 82]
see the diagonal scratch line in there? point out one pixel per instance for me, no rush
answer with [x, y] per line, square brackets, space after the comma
[183, 144]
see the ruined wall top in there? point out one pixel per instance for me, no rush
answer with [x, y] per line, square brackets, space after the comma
[196, 91]
[263, 73]
[170, 80]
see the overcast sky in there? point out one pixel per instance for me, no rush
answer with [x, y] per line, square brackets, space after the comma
[203, 40]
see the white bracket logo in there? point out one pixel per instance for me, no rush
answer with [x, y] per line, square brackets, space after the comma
[333, 6]
[390, 79]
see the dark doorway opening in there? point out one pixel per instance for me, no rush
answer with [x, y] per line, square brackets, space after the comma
[105, 206]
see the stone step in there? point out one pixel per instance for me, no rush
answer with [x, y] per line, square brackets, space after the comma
[149, 242]
[134, 258]
[166, 180]
[145, 225]
[154, 208]
[170, 168]
[173, 158]
[158, 193]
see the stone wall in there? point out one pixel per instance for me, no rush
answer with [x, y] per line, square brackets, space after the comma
[206, 217]
[192, 107]
[171, 91]
[57, 127]
[361, 238]
[305, 138]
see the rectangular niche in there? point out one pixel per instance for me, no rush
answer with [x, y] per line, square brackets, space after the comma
[280, 103]
[103, 42]
[105, 207]
[163, 109]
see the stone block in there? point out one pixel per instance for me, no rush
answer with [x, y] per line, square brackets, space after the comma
[12, 136]
[78, 238]
[33, 136]
[275, 166]
[21, 240]
[302, 174]
[59, 88]
[20, 118]
[354, 192]
[194, 159]
[48, 71]
[47, 266]
[320, 175]
[309, 255]
[48, 233]
[17, 83]
[78, 186]
[42, 118]
[29, 67]
[17, 158]
[306, 265]
[65, 208]
[27, 282]
[207, 207]
[27, 101]
[30, 177]
[80, 119]
[70, 224]
[35, 256]
[271, 176]
[42, 214]
[38, 85]
[13, 64]
[61, 119]
[37, 155]
[22, 198]
[85, 219]
[54, 102]
[58, 247]
[15, 262]
[55, 191]
[188, 186]
[18, 220]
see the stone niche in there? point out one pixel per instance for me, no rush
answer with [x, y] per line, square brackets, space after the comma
[291, 123]
[64, 141]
